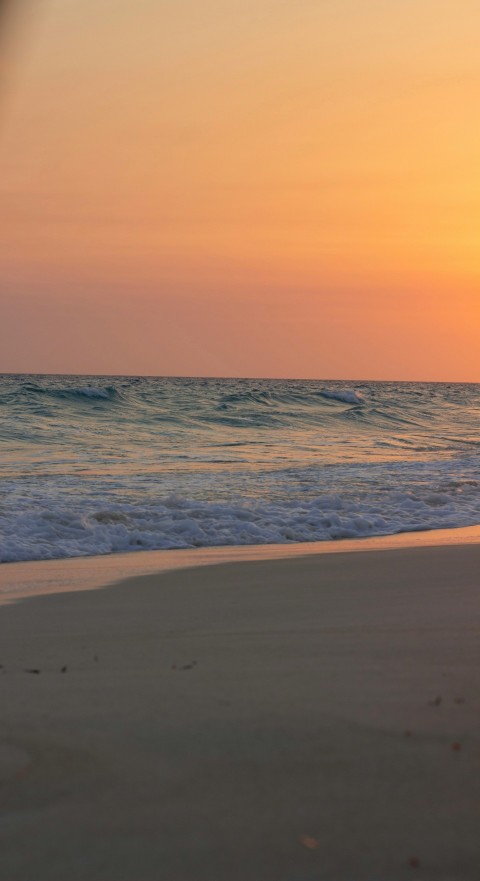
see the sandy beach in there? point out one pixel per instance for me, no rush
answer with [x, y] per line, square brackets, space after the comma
[295, 719]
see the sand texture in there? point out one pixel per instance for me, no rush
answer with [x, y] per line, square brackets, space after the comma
[312, 718]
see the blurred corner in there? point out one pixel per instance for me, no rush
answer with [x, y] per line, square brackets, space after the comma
[15, 20]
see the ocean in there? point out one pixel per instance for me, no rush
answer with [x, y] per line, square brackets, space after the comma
[99, 465]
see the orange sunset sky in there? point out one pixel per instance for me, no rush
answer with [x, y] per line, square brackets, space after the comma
[242, 187]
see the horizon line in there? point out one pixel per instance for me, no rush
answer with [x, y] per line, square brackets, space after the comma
[359, 381]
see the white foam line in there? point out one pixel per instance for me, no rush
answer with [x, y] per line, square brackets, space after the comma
[21, 580]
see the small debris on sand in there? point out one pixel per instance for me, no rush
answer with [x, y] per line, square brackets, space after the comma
[64, 669]
[436, 702]
[32, 670]
[308, 842]
[459, 700]
[414, 862]
[456, 747]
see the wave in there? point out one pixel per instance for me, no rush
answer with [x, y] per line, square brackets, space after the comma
[347, 396]
[89, 392]
[269, 398]
[70, 525]
[279, 403]
[247, 398]
[106, 393]
[387, 411]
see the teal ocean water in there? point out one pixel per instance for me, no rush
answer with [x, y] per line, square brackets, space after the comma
[98, 465]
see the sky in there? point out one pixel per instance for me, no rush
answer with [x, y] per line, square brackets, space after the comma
[241, 188]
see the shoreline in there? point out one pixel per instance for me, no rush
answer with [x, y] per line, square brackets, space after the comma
[20, 580]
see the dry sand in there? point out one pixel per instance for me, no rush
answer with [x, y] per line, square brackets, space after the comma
[312, 718]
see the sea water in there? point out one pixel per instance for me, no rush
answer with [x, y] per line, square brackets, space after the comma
[98, 465]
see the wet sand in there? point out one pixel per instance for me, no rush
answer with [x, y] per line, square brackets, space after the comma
[295, 719]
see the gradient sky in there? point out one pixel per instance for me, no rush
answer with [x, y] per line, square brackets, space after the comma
[242, 187]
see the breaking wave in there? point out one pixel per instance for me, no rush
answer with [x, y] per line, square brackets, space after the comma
[347, 397]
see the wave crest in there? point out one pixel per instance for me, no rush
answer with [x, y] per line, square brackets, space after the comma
[347, 396]
[99, 393]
